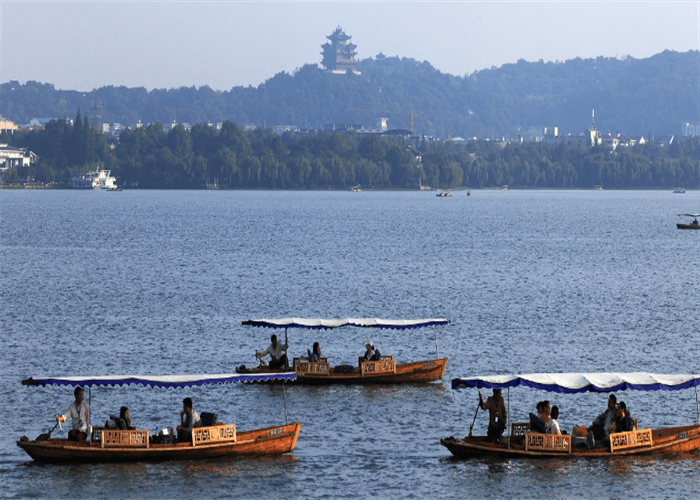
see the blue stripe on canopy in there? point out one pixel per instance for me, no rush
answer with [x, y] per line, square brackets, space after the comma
[327, 324]
[168, 381]
[583, 382]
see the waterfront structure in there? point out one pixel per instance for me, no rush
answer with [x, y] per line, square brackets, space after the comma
[339, 53]
[15, 157]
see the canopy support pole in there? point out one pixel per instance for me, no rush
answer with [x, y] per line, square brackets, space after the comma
[437, 354]
[508, 419]
[284, 396]
[90, 411]
[697, 407]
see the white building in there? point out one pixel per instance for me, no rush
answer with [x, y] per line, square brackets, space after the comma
[15, 157]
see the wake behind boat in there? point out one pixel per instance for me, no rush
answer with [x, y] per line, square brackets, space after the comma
[384, 370]
[213, 441]
[523, 442]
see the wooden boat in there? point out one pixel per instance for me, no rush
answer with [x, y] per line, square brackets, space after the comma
[216, 441]
[383, 371]
[522, 443]
[692, 225]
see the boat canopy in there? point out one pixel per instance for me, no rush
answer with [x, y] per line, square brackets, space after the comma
[165, 382]
[689, 215]
[328, 324]
[583, 382]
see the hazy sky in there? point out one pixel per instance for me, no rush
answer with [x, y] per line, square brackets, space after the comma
[85, 45]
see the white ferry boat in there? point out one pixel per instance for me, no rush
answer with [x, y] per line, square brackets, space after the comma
[99, 179]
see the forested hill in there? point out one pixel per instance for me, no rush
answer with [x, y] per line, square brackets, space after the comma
[636, 97]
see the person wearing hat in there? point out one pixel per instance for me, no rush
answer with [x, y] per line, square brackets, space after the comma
[497, 415]
[369, 352]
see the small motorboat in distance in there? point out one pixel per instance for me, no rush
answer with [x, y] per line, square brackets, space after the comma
[445, 194]
[384, 370]
[692, 225]
[212, 441]
[523, 442]
[679, 191]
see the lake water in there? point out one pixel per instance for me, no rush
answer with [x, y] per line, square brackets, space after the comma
[158, 282]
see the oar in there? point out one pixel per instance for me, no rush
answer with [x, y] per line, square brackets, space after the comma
[475, 414]
[44, 437]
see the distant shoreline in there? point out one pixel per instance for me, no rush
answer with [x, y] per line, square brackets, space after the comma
[40, 185]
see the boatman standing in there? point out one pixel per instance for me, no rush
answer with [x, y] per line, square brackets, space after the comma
[79, 412]
[497, 415]
[277, 351]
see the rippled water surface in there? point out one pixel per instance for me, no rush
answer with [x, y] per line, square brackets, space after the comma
[143, 282]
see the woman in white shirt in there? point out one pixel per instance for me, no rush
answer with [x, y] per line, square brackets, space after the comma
[553, 425]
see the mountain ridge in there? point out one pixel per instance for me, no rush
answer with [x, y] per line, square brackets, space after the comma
[637, 97]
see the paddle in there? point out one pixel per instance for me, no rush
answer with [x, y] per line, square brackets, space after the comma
[45, 436]
[475, 414]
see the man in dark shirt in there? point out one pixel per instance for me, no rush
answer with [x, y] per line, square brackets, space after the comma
[497, 415]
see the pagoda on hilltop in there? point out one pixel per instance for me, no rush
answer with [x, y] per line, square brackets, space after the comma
[338, 53]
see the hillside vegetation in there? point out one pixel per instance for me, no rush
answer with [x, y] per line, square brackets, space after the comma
[637, 97]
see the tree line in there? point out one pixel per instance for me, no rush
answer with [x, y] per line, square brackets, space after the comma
[233, 157]
[509, 101]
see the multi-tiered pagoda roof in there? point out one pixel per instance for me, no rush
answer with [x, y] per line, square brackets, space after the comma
[338, 53]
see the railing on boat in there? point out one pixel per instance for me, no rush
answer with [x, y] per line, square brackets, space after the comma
[316, 367]
[121, 439]
[109, 438]
[385, 364]
[631, 439]
[535, 441]
[213, 434]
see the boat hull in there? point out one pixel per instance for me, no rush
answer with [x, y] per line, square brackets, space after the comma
[259, 442]
[416, 372]
[665, 441]
[687, 226]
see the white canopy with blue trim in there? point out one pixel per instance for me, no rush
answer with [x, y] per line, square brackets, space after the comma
[317, 324]
[167, 381]
[583, 382]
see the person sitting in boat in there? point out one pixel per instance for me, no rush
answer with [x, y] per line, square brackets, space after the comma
[315, 354]
[538, 423]
[80, 413]
[124, 419]
[626, 420]
[277, 351]
[189, 419]
[552, 424]
[600, 428]
[369, 351]
[122, 422]
[544, 410]
[497, 415]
